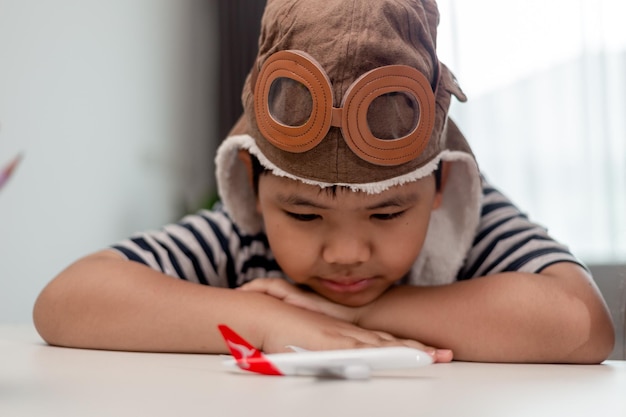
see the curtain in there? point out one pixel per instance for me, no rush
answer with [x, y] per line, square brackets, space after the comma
[239, 27]
[546, 116]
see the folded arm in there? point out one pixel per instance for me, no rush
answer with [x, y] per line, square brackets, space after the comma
[106, 302]
[555, 316]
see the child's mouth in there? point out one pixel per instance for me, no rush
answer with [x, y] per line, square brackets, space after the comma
[351, 286]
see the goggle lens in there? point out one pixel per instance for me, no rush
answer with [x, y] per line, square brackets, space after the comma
[393, 115]
[290, 102]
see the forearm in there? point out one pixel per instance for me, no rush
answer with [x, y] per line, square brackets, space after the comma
[105, 302]
[511, 317]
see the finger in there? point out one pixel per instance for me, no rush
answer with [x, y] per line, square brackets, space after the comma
[384, 335]
[283, 291]
[259, 284]
[443, 355]
[367, 338]
[270, 286]
[438, 355]
[417, 345]
[412, 344]
[390, 340]
[387, 340]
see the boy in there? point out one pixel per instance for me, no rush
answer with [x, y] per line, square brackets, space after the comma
[349, 191]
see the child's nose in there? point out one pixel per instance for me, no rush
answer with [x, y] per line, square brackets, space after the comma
[346, 249]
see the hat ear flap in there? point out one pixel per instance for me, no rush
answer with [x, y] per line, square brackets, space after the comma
[246, 159]
[443, 179]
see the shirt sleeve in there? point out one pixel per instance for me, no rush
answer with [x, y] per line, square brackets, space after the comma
[205, 247]
[506, 240]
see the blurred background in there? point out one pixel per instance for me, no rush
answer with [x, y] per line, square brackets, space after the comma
[117, 108]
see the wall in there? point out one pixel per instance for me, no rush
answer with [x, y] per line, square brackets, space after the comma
[110, 104]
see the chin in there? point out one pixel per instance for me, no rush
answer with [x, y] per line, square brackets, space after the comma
[351, 300]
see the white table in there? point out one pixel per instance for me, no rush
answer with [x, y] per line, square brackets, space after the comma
[39, 380]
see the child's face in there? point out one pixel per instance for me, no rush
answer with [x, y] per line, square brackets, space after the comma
[347, 246]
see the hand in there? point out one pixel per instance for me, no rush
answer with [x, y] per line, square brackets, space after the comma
[319, 324]
[314, 331]
[291, 294]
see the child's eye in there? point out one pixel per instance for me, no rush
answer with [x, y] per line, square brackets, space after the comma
[302, 217]
[387, 216]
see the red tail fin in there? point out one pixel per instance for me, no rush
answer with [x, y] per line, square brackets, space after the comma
[247, 356]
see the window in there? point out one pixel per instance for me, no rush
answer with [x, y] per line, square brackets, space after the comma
[546, 115]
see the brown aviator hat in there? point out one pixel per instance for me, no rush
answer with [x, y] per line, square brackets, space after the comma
[334, 42]
[351, 92]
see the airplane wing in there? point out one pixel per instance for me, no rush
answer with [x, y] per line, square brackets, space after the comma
[353, 371]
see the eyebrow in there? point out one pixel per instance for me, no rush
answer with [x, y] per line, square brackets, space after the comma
[395, 201]
[297, 200]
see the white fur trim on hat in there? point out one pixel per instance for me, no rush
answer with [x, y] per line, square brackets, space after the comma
[451, 229]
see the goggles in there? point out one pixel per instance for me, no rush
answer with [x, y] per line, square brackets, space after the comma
[386, 116]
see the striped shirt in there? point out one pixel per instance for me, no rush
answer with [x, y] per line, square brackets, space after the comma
[508, 241]
[208, 248]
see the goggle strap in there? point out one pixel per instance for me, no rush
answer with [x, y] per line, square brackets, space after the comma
[336, 114]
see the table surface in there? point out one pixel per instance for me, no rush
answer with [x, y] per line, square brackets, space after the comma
[40, 380]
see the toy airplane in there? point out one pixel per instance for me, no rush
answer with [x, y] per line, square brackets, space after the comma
[344, 363]
[8, 170]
